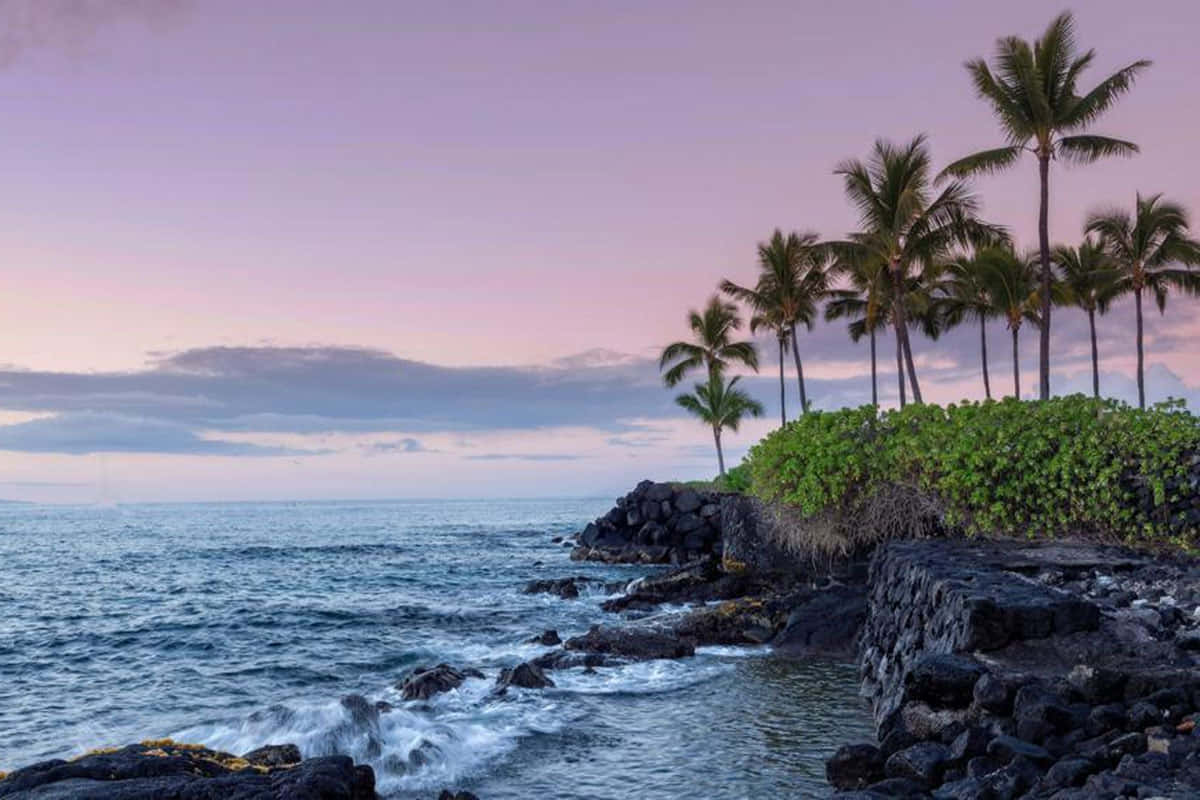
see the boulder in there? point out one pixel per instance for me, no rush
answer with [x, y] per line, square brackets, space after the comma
[274, 755]
[970, 743]
[1004, 749]
[1097, 684]
[659, 492]
[923, 763]
[687, 501]
[825, 625]
[855, 766]
[635, 644]
[424, 682]
[524, 676]
[1072, 771]
[946, 680]
[1039, 712]
[165, 769]
[994, 694]
[564, 659]
[548, 638]
[566, 588]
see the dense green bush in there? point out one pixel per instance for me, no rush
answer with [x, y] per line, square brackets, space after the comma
[1071, 465]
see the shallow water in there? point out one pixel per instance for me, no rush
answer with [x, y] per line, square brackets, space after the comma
[237, 625]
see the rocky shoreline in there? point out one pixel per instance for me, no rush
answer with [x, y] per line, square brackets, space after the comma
[994, 669]
[160, 769]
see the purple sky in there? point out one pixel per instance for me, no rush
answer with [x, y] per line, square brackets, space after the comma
[482, 184]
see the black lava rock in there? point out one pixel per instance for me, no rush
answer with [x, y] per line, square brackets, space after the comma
[855, 766]
[944, 680]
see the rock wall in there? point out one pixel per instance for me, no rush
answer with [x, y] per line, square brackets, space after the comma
[1006, 669]
[666, 523]
[951, 596]
[656, 523]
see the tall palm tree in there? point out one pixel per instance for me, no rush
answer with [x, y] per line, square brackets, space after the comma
[1033, 93]
[1012, 285]
[866, 304]
[721, 405]
[1152, 251]
[962, 294]
[792, 281]
[906, 226]
[1089, 281]
[712, 348]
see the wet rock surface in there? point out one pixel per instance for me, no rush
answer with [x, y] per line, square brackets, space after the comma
[155, 770]
[631, 643]
[424, 682]
[1009, 669]
[524, 676]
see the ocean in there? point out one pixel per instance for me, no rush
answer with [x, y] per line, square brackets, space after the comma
[242, 624]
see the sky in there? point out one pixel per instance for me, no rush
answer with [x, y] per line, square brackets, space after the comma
[296, 249]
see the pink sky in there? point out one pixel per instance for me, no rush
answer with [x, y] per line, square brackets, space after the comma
[479, 183]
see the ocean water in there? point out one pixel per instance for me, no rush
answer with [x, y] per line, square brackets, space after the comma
[238, 625]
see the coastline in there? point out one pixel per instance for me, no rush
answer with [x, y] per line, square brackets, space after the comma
[992, 667]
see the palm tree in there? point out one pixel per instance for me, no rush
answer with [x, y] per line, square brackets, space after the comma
[866, 305]
[1089, 281]
[906, 227]
[963, 294]
[721, 405]
[712, 347]
[1034, 96]
[792, 281]
[1152, 251]
[1012, 285]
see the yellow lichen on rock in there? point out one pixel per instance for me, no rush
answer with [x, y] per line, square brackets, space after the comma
[733, 566]
[159, 743]
[98, 751]
[234, 763]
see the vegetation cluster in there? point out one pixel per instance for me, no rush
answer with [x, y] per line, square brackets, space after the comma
[1070, 466]
[923, 260]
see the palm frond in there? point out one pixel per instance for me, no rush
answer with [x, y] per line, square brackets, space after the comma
[1084, 149]
[986, 162]
[1086, 109]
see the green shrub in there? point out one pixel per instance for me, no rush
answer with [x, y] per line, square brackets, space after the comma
[1069, 466]
[736, 480]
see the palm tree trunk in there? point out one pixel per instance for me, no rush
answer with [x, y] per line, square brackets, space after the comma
[1095, 355]
[720, 455]
[799, 371]
[900, 369]
[902, 335]
[1044, 248]
[987, 385]
[1141, 357]
[1016, 365]
[782, 394]
[874, 382]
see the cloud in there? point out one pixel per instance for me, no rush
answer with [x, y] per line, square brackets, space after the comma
[636, 441]
[72, 24]
[232, 400]
[523, 457]
[405, 445]
[83, 433]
